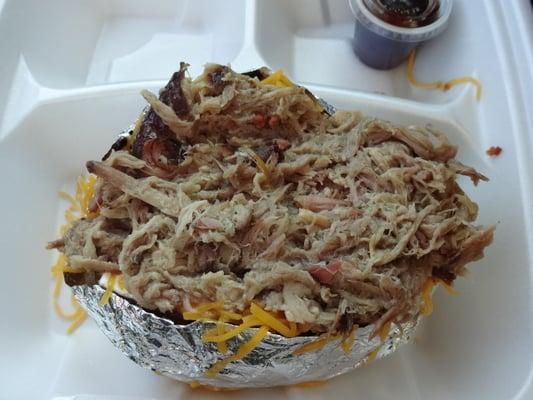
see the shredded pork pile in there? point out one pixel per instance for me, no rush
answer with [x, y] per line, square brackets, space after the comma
[233, 190]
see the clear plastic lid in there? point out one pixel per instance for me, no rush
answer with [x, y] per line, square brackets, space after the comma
[387, 30]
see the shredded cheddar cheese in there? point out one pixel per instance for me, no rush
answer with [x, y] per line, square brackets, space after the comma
[315, 345]
[232, 332]
[449, 288]
[384, 331]
[245, 349]
[272, 322]
[120, 282]
[78, 315]
[209, 306]
[372, 355]
[108, 290]
[135, 130]
[81, 315]
[74, 206]
[221, 330]
[427, 290]
[78, 208]
[84, 194]
[349, 341]
[255, 316]
[278, 79]
[260, 163]
[427, 303]
[439, 85]
[230, 316]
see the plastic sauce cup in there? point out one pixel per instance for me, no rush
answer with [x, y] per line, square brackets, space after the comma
[381, 45]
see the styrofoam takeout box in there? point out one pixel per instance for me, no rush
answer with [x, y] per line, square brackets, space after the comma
[70, 73]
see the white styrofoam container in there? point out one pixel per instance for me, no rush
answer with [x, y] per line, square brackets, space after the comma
[70, 74]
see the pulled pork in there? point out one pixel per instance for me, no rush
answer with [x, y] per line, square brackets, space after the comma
[236, 191]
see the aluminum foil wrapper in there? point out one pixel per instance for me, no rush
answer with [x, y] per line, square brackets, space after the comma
[177, 351]
[328, 108]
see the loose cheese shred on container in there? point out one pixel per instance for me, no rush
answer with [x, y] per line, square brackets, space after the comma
[78, 208]
[78, 315]
[439, 85]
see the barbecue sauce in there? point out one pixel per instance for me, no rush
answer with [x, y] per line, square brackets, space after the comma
[383, 47]
[405, 13]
